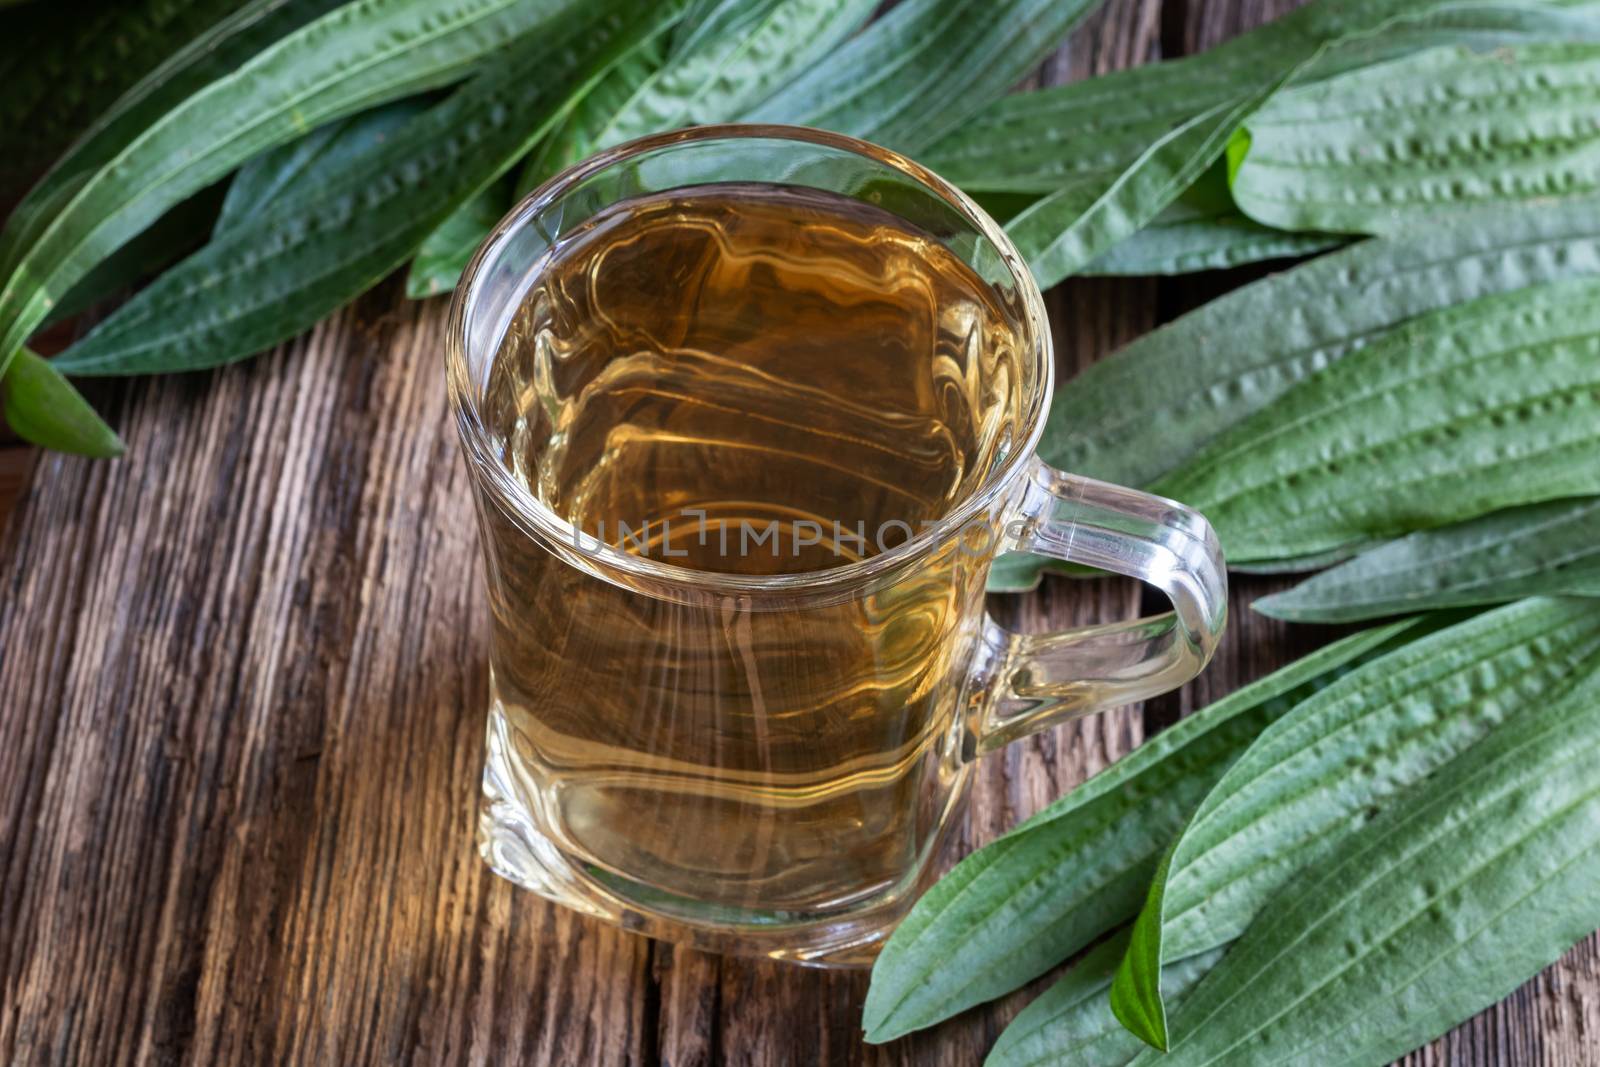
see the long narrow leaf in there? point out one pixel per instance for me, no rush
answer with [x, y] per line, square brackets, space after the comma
[1322, 769]
[1064, 232]
[318, 157]
[1067, 230]
[743, 53]
[177, 233]
[925, 68]
[1478, 407]
[1203, 230]
[1180, 243]
[1071, 1024]
[1463, 889]
[577, 137]
[445, 252]
[360, 55]
[1542, 549]
[1038, 142]
[1019, 906]
[1202, 373]
[269, 278]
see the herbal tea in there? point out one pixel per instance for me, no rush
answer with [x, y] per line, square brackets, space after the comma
[693, 371]
[755, 380]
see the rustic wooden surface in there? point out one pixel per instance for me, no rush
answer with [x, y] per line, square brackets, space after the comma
[243, 678]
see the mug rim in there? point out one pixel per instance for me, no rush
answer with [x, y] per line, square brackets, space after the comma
[552, 530]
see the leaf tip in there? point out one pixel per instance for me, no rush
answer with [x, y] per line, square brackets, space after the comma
[419, 287]
[1136, 987]
[1143, 1016]
[876, 1037]
[1270, 606]
[879, 1028]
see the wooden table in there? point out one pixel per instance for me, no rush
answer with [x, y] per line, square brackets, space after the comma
[243, 678]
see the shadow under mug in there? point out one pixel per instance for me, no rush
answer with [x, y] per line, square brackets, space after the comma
[766, 764]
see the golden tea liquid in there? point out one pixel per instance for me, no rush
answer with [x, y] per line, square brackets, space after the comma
[754, 380]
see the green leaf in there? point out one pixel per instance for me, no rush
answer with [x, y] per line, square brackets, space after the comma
[1014, 909]
[1113, 196]
[1200, 374]
[1178, 242]
[924, 69]
[1204, 230]
[1200, 230]
[1302, 564]
[739, 55]
[1067, 230]
[446, 251]
[577, 136]
[1321, 770]
[1216, 365]
[1464, 888]
[65, 64]
[1542, 549]
[171, 237]
[317, 157]
[1038, 142]
[1463, 411]
[43, 407]
[1094, 204]
[320, 156]
[1442, 131]
[1072, 1021]
[1063, 1017]
[360, 55]
[271, 277]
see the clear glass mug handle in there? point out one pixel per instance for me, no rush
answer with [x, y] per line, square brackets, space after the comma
[1034, 681]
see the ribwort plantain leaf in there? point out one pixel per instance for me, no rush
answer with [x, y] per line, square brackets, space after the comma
[273, 276]
[1468, 884]
[924, 69]
[1485, 405]
[359, 55]
[1541, 549]
[1320, 772]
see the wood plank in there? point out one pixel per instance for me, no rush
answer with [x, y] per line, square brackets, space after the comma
[238, 800]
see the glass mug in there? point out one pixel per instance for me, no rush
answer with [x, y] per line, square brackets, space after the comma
[767, 763]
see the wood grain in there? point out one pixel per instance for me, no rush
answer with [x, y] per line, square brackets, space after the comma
[242, 727]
